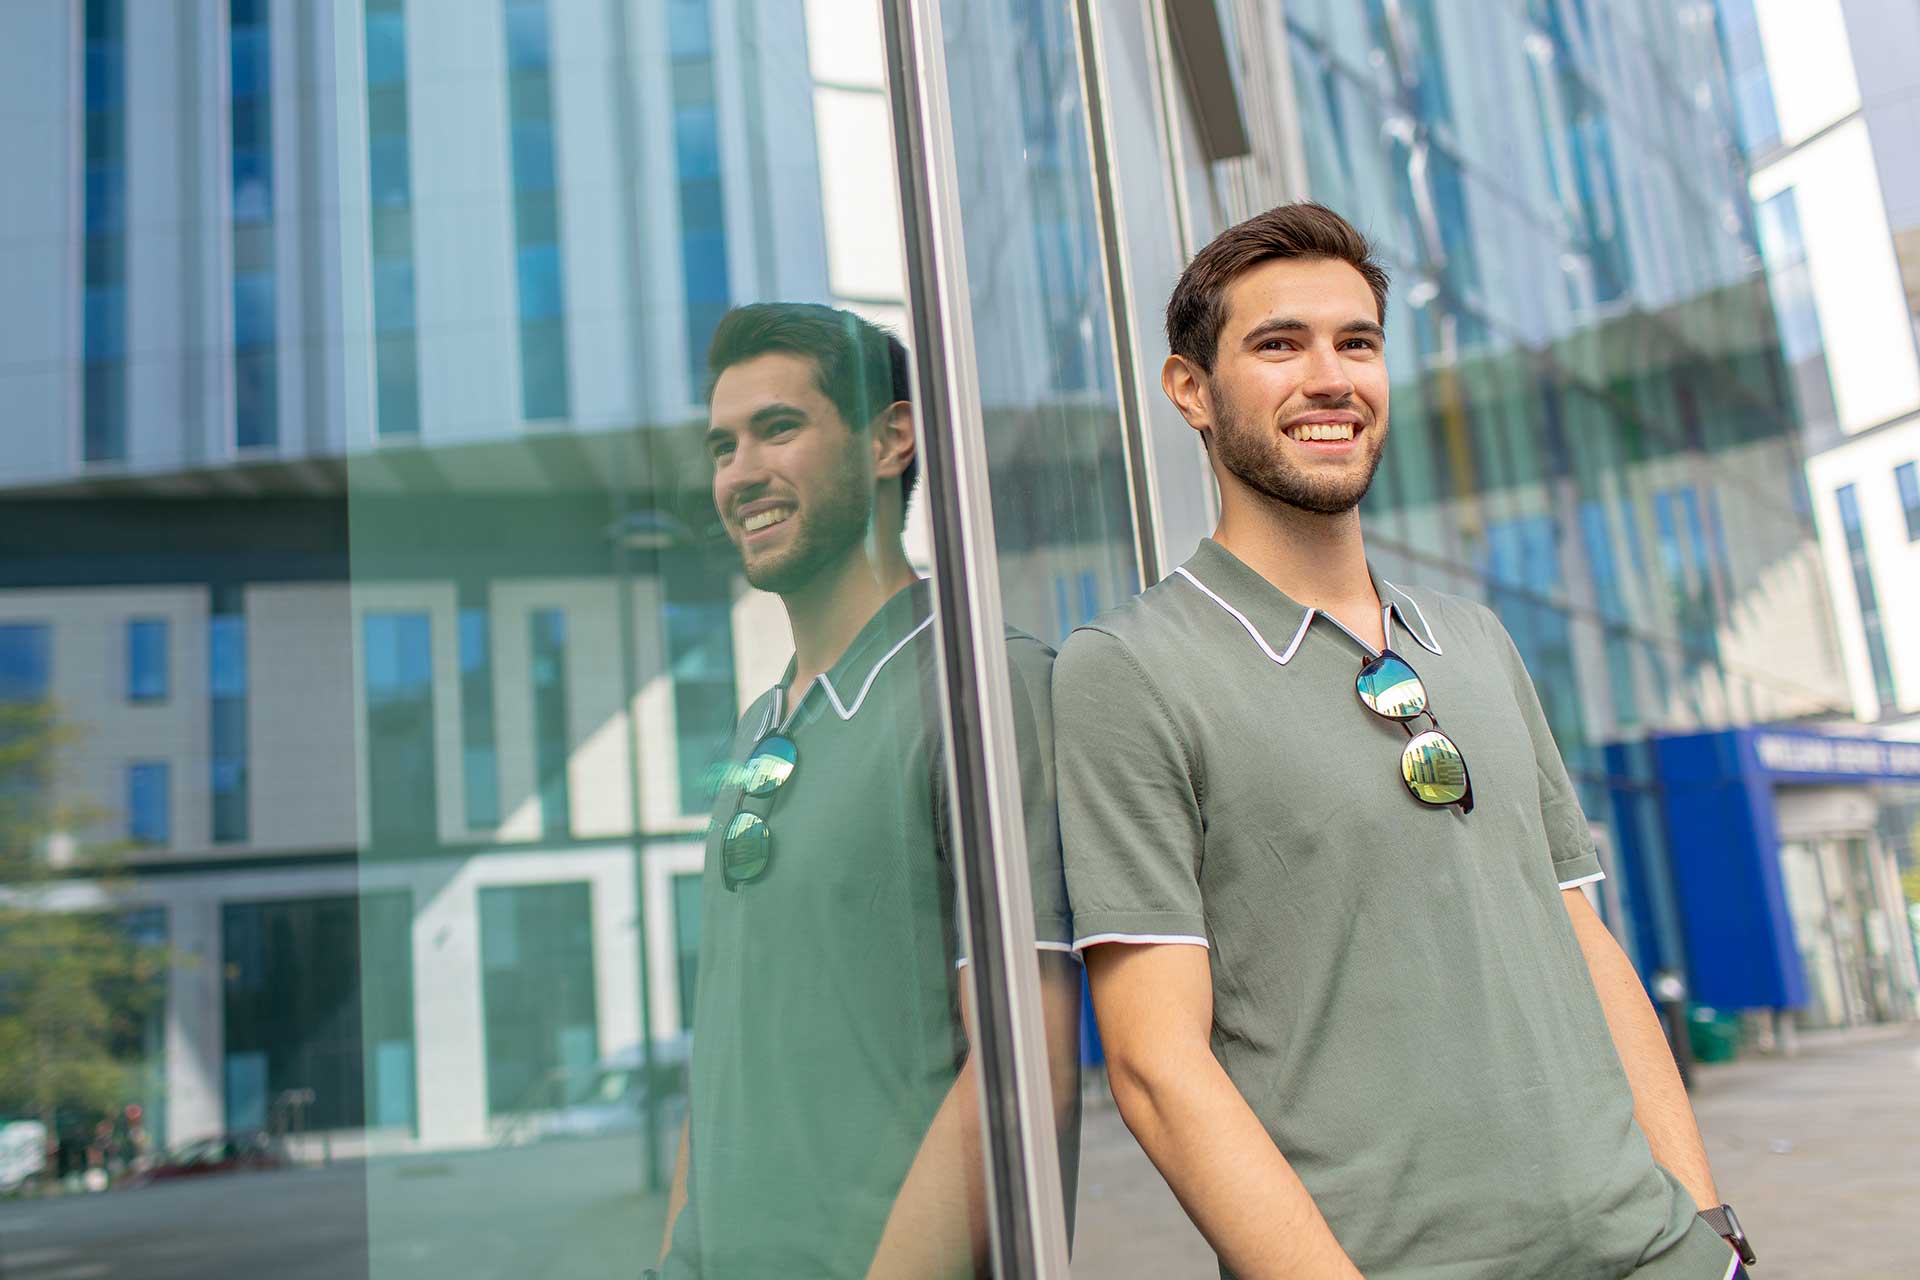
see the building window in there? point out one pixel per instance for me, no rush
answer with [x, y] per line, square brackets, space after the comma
[103, 385]
[1905, 477]
[480, 763]
[686, 941]
[150, 804]
[396, 356]
[696, 144]
[26, 662]
[402, 788]
[550, 748]
[147, 661]
[227, 682]
[536, 974]
[698, 617]
[1863, 589]
[536, 213]
[256, 414]
[319, 998]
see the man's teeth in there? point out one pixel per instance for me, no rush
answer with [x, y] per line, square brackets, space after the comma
[761, 519]
[1322, 431]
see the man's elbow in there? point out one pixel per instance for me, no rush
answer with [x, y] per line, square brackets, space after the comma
[1145, 1083]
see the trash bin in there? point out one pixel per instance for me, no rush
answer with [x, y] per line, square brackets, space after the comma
[1712, 1035]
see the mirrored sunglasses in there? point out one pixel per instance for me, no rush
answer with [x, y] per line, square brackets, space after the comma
[1431, 764]
[746, 849]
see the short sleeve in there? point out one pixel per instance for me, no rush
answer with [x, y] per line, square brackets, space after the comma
[1030, 666]
[1569, 837]
[1129, 804]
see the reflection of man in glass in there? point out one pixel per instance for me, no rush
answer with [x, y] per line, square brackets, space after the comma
[1327, 865]
[833, 1121]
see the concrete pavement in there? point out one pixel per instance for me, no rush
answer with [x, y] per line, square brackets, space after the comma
[1819, 1153]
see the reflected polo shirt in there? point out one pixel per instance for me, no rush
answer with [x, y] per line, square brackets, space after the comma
[1398, 992]
[827, 1023]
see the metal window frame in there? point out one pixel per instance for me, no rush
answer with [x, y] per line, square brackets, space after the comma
[1025, 1203]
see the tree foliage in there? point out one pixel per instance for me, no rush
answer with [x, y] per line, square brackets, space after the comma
[75, 986]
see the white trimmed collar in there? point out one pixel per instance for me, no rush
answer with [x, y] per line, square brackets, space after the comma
[1394, 603]
[915, 597]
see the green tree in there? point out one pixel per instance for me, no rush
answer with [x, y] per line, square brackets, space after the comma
[74, 986]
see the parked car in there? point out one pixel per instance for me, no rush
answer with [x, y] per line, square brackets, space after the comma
[610, 1097]
[229, 1153]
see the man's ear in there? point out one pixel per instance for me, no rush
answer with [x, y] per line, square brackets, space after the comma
[892, 440]
[1186, 385]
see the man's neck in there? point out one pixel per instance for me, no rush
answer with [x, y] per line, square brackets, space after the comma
[1318, 560]
[830, 610]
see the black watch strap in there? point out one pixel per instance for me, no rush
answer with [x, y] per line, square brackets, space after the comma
[1724, 1221]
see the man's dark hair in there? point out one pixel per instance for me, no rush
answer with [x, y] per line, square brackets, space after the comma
[858, 365]
[1197, 311]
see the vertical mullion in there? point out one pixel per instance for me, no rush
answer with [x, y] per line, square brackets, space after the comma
[1110, 226]
[1025, 1203]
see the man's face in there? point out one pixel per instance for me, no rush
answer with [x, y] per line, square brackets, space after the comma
[792, 482]
[1299, 384]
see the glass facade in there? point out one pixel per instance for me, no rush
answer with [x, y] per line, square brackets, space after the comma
[1848, 502]
[405, 765]
[1906, 478]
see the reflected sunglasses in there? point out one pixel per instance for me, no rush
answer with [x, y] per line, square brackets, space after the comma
[746, 850]
[1431, 765]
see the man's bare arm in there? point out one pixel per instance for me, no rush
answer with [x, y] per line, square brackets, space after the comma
[1660, 1105]
[677, 1196]
[938, 1225]
[1155, 1006]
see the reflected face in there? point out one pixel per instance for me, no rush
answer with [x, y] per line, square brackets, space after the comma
[792, 482]
[1299, 384]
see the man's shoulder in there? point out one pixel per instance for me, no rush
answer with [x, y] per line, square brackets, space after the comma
[1157, 622]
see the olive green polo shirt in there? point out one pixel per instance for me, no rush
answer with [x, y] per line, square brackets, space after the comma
[1397, 990]
[827, 1021]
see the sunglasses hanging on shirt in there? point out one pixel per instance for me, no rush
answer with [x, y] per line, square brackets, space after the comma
[746, 852]
[1432, 766]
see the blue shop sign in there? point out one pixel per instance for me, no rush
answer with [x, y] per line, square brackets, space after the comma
[1718, 793]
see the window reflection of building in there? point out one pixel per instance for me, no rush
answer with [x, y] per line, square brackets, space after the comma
[104, 340]
[536, 959]
[256, 382]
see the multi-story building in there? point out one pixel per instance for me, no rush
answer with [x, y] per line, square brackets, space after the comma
[1826, 97]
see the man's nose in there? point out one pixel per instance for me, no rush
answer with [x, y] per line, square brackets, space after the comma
[742, 475]
[1326, 376]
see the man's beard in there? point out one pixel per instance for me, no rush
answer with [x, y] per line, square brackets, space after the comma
[1256, 455]
[826, 530]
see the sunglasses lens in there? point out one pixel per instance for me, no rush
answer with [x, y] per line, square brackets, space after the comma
[771, 764]
[747, 849]
[1389, 686]
[1435, 770]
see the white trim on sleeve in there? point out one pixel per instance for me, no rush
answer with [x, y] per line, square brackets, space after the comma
[1575, 884]
[1139, 939]
[1067, 947]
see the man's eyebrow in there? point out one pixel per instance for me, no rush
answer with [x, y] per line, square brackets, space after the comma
[1277, 324]
[767, 413]
[761, 417]
[1289, 324]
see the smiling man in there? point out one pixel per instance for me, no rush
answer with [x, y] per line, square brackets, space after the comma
[833, 1120]
[1326, 864]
